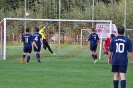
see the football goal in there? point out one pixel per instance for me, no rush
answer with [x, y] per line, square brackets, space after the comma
[63, 35]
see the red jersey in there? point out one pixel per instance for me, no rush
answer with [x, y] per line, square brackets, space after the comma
[106, 44]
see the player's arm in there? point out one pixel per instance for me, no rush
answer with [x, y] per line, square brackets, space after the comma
[35, 44]
[129, 48]
[109, 57]
[97, 39]
[111, 47]
[131, 55]
[42, 29]
[103, 45]
[41, 40]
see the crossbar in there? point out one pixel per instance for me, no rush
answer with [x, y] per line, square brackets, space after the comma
[67, 20]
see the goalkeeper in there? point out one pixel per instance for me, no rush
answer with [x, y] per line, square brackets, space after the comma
[45, 43]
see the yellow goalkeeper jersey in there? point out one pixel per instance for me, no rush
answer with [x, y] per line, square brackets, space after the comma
[42, 32]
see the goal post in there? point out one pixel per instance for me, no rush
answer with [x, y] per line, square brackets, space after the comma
[62, 33]
[82, 37]
[1, 38]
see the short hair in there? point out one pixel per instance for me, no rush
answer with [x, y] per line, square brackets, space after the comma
[27, 30]
[36, 29]
[93, 29]
[112, 35]
[121, 30]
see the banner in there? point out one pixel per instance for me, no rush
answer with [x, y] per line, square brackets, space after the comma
[103, 30]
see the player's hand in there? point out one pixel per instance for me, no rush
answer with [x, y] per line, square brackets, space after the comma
[109, 60]
[132, 63]
[42, 45]
[44, 27]
[37, 47]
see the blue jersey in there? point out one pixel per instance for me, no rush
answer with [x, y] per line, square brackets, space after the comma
[36, 39]
[27, 40]
[93, 38]
[120, 46]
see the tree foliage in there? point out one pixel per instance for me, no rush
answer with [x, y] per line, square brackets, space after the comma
[70, 9]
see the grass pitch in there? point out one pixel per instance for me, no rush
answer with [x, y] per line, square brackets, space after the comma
[72, 69]
[57, 73]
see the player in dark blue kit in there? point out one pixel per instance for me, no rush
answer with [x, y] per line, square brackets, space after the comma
[37, 41]
[27, 41]
[93, 38]
[118, 51]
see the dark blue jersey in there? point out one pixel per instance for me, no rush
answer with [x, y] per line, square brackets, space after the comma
[27, 40]
[93, 38]
[120, 46]
[36, 38]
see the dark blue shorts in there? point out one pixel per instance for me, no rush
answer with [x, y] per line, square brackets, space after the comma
[93, 47]
[27, 49]
[117, 68]
[37, 50]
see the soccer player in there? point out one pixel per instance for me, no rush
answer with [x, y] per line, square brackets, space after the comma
[107, 43]
[45, 43]
[93, 38]
[118, 51]
[37, 41]
[27, 41]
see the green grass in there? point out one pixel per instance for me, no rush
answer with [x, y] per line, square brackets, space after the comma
[57, 73]
[73, 69]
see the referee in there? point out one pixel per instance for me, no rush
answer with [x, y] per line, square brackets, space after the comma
[45, 43]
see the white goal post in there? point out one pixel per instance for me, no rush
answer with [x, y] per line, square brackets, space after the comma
[1, 38]
[57, 20]
[81, 35]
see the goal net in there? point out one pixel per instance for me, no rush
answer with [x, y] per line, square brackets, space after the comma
[64, 37]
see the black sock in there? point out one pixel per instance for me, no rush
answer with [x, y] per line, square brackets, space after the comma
[23, 56]
[123, 83]
[93, 56]
[28, 59]
[115, 82]
[37, 56]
